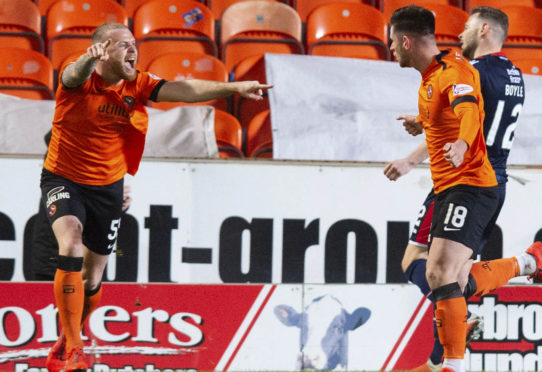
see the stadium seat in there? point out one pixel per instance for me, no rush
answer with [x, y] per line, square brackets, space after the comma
[254, 27]
[531, 66]
[449, 23]
[259, 138]
[305, 7]
[389, 6]
[26, 74]
[218, 6]
[250, 68]
[471, 4]
[163, 26]
[130, 6]
[20, 25]
[347, 30]
[185, 65]
[70, 24]
[228, 134]
[524, 33]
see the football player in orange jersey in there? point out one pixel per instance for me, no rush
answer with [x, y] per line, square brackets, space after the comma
[481, 41]
[466, 197]
[98, 136]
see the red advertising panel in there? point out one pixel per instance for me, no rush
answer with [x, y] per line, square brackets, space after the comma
[140, 326]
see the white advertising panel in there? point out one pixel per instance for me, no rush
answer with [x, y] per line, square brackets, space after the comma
[264, 222]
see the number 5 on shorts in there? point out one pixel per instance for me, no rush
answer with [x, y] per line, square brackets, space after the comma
[115, 224]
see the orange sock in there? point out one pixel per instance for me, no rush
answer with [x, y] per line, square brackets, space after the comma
[451, 320]
[69, 297]
[91, 303]
[490, 275]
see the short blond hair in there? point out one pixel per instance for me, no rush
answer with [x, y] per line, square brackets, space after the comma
[100, 35]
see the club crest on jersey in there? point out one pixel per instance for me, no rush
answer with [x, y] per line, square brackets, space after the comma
[429, 91]
[460, 89]
[129, 101]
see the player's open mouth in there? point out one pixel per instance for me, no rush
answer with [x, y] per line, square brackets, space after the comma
[130, 63]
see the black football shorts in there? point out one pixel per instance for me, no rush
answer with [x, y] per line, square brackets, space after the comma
[99, 208]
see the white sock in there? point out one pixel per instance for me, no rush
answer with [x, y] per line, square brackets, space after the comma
[527, 264]
[457, 365]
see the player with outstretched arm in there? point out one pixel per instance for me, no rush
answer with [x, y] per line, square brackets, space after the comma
[98, 136]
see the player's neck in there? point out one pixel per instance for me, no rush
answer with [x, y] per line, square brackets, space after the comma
[487, 46]
[108, 76]
[425, 58]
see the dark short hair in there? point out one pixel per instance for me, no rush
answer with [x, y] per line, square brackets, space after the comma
[413, 19]
[100, 34]
[496, 16]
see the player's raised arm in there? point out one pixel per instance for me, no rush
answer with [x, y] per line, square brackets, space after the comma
[77, 73]
[195, 90]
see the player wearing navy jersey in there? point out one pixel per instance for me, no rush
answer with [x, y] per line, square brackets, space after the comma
[503, 93]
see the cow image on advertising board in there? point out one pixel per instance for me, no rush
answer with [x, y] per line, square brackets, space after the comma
[324, 326]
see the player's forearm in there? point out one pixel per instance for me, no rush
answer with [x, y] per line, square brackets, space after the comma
[75, 74]
[195, 90]
[470, 119]
[419, 154]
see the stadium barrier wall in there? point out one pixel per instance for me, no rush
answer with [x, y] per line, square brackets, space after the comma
[227, 327]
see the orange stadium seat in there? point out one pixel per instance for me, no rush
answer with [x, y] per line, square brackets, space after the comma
[70, 24]
[163, 26]
[259, 138]
[255, 27]
[218, 6]
[20, 25]
[449, 23]
[229, 135]
[25, 73]
[186, 65]
[471, 4]
[251, 68]
[531, 66]
[347, 30]
[524, 32]
[305, 7]
[131, 6]
[389, 6]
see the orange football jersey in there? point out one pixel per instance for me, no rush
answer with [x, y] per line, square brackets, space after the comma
[450, 107]
[99, 130]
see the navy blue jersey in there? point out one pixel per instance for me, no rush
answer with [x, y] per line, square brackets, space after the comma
[504, 92]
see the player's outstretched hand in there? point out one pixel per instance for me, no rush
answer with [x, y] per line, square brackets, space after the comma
[252, 89]
[99, 51]
[397, 168]
[454, 152]
[411, 125]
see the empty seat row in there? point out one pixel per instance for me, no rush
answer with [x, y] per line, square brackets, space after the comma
[247, 28]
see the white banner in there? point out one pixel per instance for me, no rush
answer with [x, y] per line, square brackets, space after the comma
[330, 108]
[180, 132]
[231, 222]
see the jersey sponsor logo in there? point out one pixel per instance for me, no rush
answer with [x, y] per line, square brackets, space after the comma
[54, 195]
[114, 110]
[460, 89]
[429, 91]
